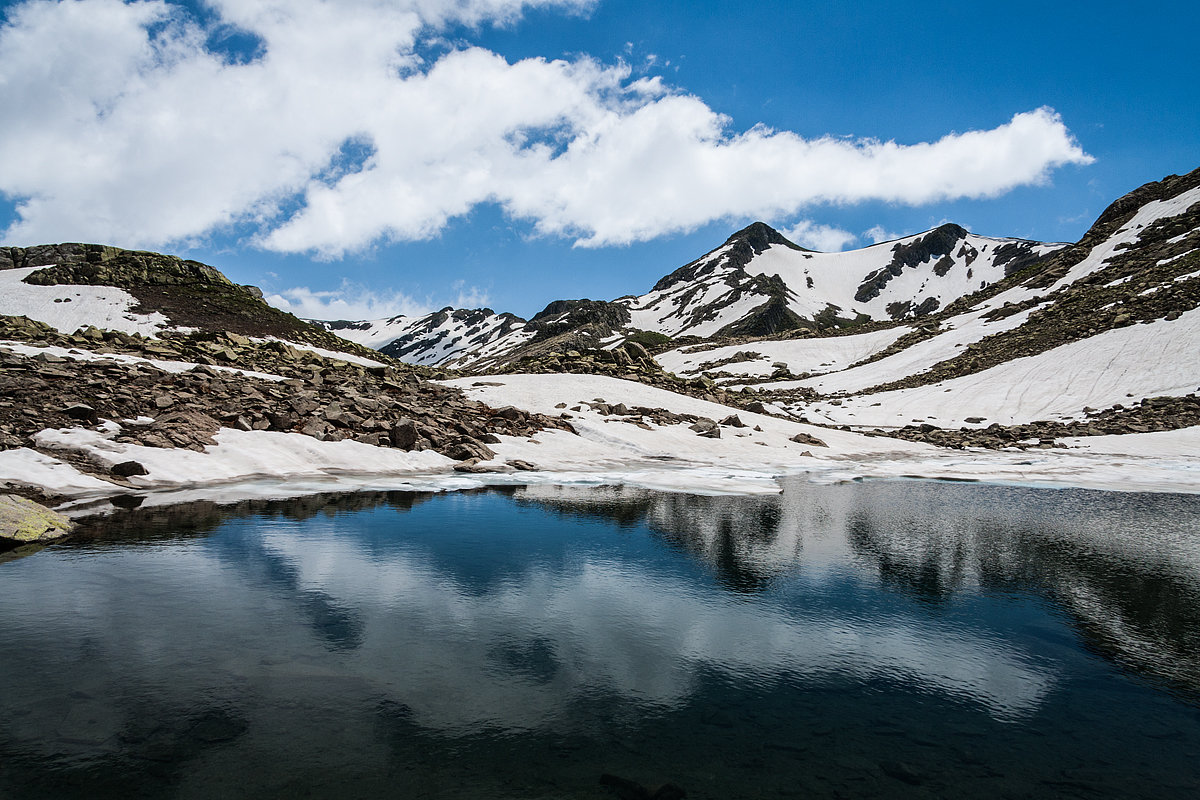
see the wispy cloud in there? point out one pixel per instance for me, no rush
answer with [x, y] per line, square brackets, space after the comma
[125, 125]
[878, 233]
[349, 301]
[470, 296]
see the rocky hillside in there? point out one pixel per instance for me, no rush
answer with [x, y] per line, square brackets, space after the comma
[156, 351]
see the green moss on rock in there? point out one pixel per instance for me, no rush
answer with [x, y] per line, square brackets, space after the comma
[25, 521]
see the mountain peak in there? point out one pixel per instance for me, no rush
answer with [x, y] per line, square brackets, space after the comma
[759, 236]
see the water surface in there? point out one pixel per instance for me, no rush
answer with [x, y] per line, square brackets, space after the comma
[886, 639]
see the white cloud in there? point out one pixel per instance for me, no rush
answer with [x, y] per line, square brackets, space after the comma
[122, 127]
[470, 296]
[816, 236]
[350, 301]
[878, 233]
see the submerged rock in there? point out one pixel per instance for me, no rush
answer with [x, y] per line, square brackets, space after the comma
[25, 521]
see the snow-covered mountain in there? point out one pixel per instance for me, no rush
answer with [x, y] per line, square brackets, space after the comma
[458, 337]
[1102, 324]
[759, 283]
[756, 283]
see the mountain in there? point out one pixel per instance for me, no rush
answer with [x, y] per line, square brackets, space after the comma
[1097, 337]
[756, 283]
[943, 329]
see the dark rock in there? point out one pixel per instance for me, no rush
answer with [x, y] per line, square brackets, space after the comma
[466, 448]
[733, 421]
[82, 412]
[404, 434]
[706, 427]
[129, 468]
[807, 438]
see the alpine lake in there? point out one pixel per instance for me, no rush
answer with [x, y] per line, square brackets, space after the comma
[879, 639]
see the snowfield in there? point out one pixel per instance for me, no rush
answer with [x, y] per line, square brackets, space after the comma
[69, 308]
[1123, 365]
[800, 355]
[606, 451]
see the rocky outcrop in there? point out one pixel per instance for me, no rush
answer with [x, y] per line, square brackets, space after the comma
[1147, 416]
[323, 397]
[24, 521]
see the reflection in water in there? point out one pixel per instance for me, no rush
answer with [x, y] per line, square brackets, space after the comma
[467, 645]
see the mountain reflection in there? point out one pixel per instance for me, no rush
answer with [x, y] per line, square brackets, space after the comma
[1126, 567]
[466, 612]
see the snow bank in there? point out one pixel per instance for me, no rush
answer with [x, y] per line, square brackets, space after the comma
[1118, 366]
[607, 451]
[69, 308]
[175, 367]
[801, 355]
[241, 456]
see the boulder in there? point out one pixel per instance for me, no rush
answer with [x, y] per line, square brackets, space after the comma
[129, 468]
[809, 439]
[733, 421]
[404, 434]
[466, 448]
[83, 412]
[25, 521]
[706, 427]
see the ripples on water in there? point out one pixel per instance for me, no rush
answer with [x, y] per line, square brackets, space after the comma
[868, 640]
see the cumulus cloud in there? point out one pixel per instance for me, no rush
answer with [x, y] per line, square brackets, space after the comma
[126, 125]
[815, 236]
[349, 301]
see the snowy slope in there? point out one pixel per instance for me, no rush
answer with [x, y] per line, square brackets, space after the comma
[455, 338]
[1152, 360]
[900, 279]
[69, 308]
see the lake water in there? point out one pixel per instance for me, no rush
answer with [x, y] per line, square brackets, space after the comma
[881, 639]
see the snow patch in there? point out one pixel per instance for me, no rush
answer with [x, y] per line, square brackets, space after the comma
[68, 308]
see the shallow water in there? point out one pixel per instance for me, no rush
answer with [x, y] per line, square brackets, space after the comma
[883, 639]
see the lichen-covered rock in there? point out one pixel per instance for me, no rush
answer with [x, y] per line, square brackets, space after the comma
[24, 521]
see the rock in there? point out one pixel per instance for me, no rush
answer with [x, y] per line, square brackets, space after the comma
[314, 428]
[25, 521]
[524, 466]
[163, 401]
[129, 468]
[807, 438]
[706, 427]
[636, 351]
[82, 411]
[733, 421]
[510, 413]
[467, 448]
[404, 434]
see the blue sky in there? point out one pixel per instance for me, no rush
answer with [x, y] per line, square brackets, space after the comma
[369, 157]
